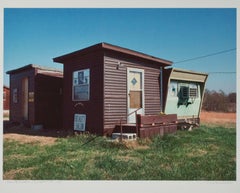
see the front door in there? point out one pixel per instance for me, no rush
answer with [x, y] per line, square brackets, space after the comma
[135, 93]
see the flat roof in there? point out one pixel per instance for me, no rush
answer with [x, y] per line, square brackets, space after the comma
[187, 75]
[111, 47]
[30, 66]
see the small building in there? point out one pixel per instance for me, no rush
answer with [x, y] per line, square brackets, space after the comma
[6, 95]
[36, 96]
[105, 84]
[183, 94]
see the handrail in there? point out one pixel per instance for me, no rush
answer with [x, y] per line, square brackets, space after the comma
[121, 122]
[133, 112]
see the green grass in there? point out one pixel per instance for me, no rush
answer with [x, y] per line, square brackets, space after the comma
[202, 154]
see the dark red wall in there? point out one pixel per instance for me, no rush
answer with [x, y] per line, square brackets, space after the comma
[48, 101]
[92, 108]
[6, 102]
[16, 108]
[108, 88]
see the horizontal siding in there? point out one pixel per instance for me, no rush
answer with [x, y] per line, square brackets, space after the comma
[152, 91]
[115, 89]
[115, 93]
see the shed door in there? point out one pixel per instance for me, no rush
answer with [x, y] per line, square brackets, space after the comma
[135, 93]
[25, 98]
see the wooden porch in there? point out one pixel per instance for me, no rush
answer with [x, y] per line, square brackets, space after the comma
[150, 125]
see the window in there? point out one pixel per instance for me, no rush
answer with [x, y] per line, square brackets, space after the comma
[184, 92]
[81, 82]
[188, 90]
[172, 89]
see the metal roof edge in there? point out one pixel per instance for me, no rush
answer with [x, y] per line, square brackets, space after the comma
[29, 66]
[104, 45]
[135, 53]
[189, 71]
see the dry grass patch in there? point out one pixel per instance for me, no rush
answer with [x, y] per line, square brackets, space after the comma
[11, 175]
[135, 145]
[211, 119]
[197, 153]
[30, 139]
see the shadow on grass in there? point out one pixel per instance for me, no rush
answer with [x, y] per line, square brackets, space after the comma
[9, 127]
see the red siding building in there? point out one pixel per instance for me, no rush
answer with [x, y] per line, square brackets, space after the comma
[105, 83]
[36, 96]
[6, 95]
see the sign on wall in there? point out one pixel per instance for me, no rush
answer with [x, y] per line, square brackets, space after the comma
[81, 84]
[79, 122]
[31, 97]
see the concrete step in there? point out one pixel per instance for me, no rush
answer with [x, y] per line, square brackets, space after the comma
[126, 136]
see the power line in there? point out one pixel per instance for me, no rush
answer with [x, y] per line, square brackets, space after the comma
[204, 56]
[221, 72]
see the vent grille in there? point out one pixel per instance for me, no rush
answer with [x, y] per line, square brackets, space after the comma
[193, 92]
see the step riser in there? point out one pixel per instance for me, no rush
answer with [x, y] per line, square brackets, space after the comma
[125, 129]
[125, 136]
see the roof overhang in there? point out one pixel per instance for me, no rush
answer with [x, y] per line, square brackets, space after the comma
[110, 47]
[187, 75]
[34, 66]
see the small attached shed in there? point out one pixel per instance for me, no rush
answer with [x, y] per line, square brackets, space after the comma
[6, 95]
[183, 95]
[36, 96]
[105, 84]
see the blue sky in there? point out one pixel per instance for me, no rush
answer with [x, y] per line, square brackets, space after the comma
[38, 35]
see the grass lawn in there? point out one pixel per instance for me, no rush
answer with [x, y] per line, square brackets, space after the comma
[202, 154]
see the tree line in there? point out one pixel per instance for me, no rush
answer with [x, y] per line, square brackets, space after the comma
[219, 101]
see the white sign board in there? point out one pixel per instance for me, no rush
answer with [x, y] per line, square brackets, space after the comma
[79, 122]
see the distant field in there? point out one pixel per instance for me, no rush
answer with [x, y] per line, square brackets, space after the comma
[206, 153]
[218, 118]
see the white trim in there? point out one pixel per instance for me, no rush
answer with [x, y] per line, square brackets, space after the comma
[128, 90]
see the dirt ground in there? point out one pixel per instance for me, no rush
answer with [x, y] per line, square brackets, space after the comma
[25, 135]
[42, 140]
[218, 118]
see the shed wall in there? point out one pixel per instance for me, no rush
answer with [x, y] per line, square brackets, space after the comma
[48, 101]
[6, 102]
[16, 108]
[115, 88]
[92, 108]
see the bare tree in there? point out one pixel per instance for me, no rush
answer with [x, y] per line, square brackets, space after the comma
[219, 101]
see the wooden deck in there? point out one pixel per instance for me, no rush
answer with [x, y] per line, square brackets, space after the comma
[150, 125]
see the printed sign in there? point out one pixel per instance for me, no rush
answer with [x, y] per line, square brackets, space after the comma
[79, 122]
[81, 84]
